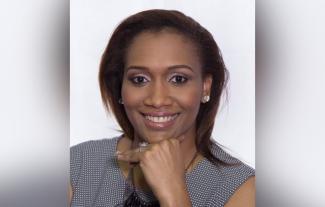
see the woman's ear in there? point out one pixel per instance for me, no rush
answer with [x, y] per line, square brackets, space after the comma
[207, 82]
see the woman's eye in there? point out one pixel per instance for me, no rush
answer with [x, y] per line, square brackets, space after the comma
[139, 80]
[178, 79]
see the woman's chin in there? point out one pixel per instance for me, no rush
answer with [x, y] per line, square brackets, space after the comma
[158, 137]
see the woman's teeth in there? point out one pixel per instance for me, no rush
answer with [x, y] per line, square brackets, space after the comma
[160, 119]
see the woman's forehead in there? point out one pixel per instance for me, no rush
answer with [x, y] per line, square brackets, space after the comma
[162, 49]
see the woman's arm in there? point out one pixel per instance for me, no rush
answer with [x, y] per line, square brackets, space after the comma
[70, 194]
[244, 196]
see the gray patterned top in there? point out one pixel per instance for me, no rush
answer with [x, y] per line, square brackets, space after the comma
[98, 181]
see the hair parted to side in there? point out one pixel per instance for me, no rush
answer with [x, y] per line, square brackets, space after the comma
[113, 63]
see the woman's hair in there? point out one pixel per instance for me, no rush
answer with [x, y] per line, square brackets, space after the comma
[114, 57]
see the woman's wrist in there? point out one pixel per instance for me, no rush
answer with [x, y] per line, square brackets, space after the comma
[183, 201]
[176, 197]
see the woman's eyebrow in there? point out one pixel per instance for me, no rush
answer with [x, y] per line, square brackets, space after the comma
[135, 67]
[169, 68]
[180, 66]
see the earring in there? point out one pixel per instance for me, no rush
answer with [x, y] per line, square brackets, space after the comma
[120, 101]
[205, 99]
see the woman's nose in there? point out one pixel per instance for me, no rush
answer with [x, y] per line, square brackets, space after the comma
[159, 95]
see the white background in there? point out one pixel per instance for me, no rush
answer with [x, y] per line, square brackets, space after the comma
[290, 98]
[232, 24]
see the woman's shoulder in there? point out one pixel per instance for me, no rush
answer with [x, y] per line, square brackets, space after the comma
[232, 164]
[93, 146]
[93, 152]
[231, 171]
[231, 175]
[90, 157]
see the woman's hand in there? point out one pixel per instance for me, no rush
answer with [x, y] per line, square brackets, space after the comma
[163, 167]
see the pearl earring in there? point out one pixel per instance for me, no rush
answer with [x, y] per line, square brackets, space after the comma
[205, 99]
[120, 101]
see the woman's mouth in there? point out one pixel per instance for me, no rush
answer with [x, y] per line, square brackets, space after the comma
[159, 121]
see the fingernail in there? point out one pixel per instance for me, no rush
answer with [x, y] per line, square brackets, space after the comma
[117, 152]
[182, 138]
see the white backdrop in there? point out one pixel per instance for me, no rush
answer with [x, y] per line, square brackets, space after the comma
[232, 24]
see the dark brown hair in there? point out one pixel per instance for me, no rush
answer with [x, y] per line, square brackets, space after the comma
[113, 63]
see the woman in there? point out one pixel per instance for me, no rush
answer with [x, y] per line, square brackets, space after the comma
[162, 75]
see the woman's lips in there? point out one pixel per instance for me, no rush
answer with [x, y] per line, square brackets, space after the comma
[161, 121]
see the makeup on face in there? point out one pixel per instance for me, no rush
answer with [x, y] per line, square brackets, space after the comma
[162, 86]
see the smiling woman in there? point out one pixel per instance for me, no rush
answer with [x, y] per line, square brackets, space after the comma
[162, 75]
[163, 86]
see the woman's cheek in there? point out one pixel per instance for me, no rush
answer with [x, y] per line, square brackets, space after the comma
[190, 99]
[131, 96]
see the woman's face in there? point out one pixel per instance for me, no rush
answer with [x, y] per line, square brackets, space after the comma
[163, 86]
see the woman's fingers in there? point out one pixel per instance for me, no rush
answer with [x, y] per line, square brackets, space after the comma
[181, 138]
[135, 155]
[130, 155]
